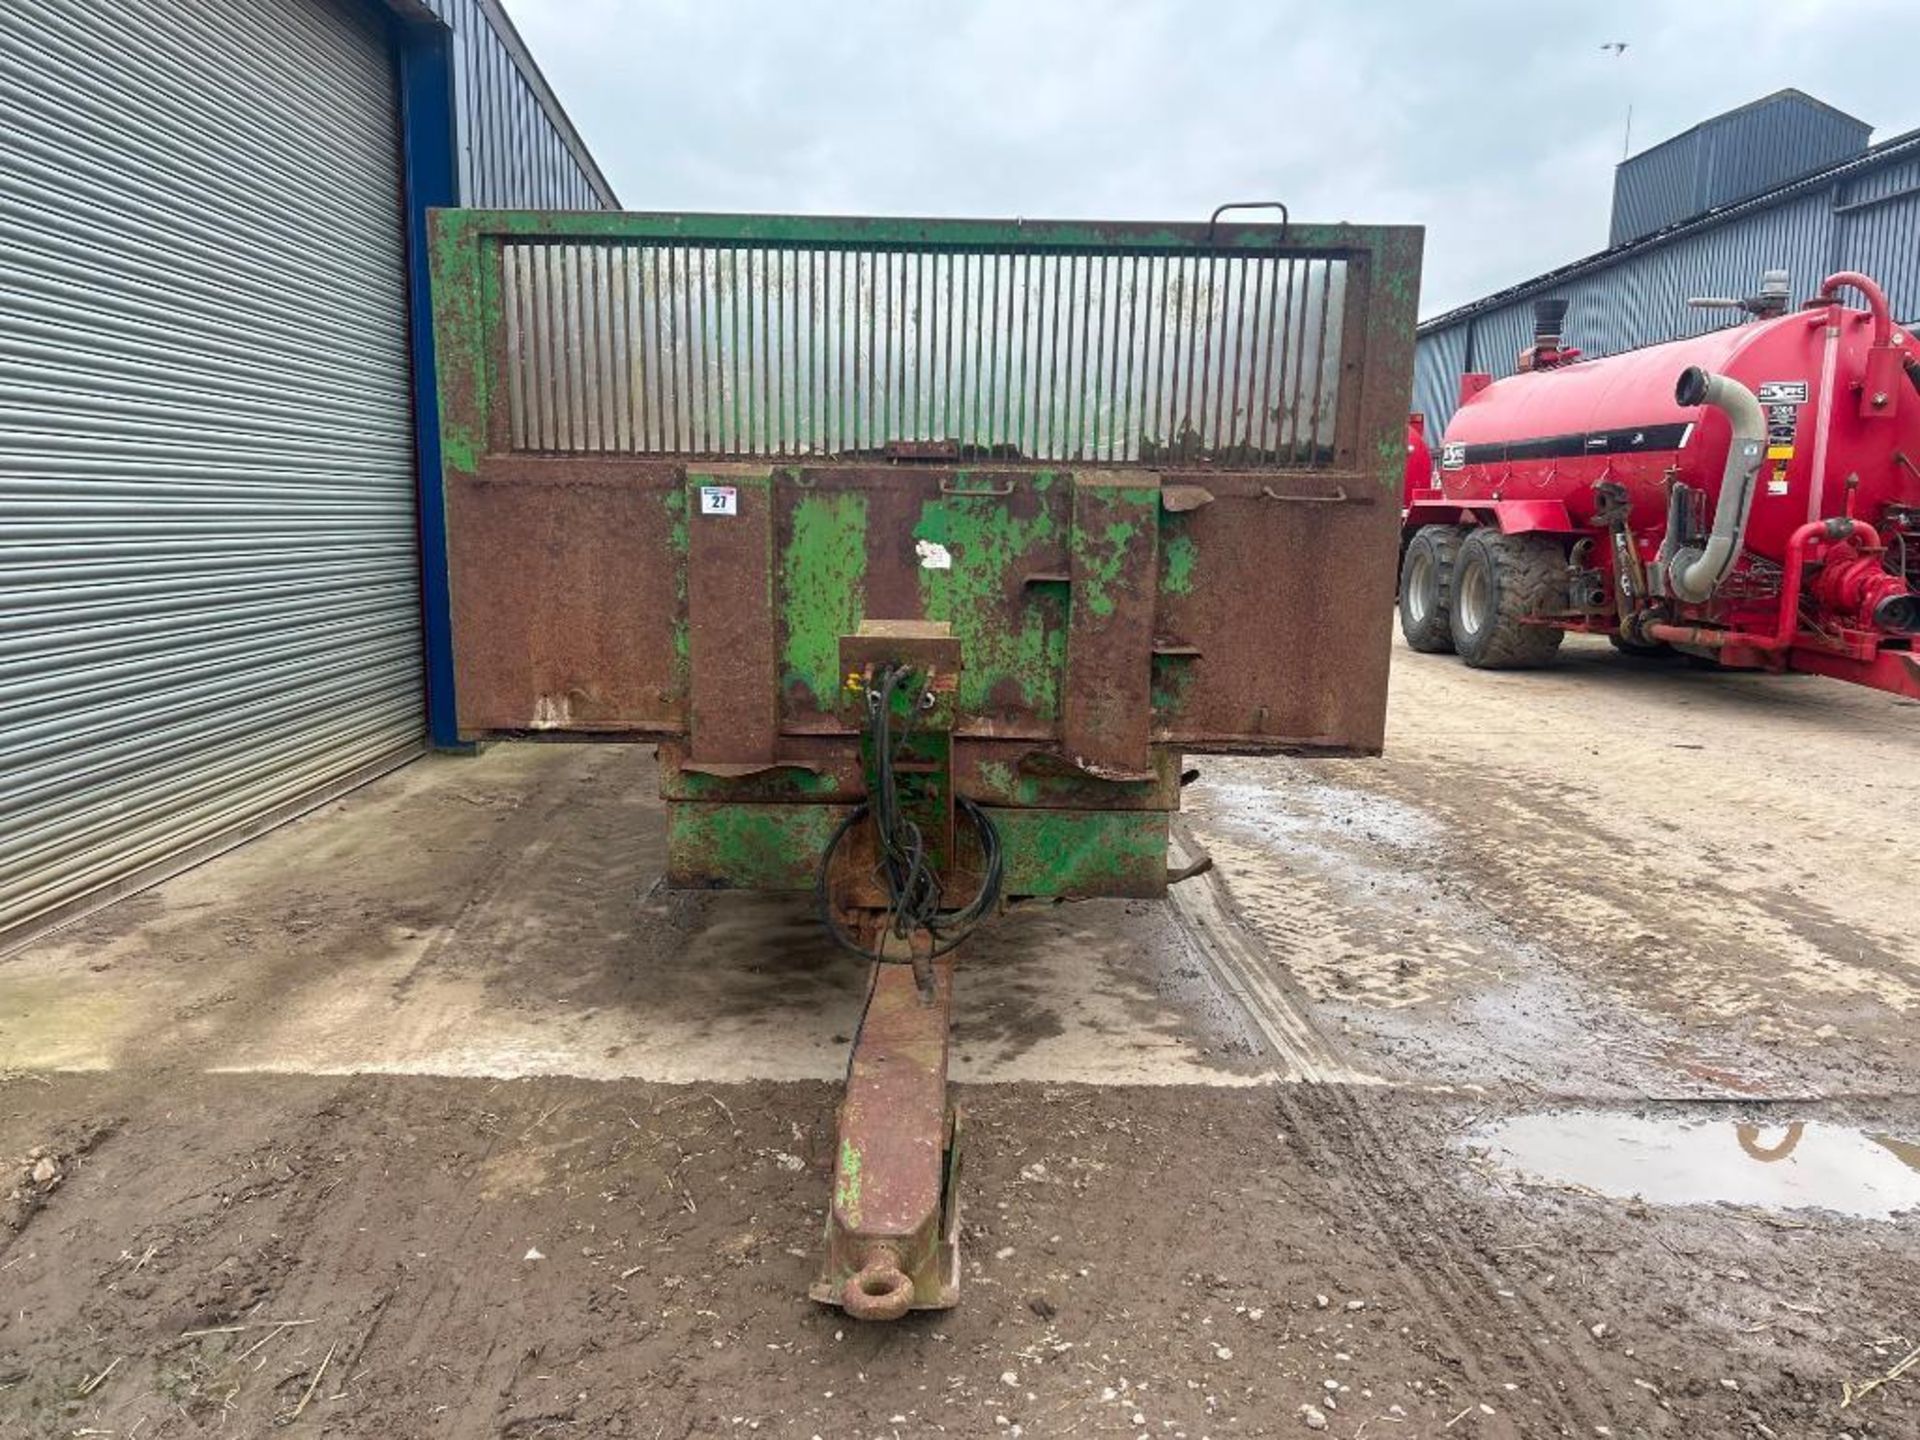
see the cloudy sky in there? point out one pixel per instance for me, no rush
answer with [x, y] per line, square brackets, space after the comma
[1496, 125]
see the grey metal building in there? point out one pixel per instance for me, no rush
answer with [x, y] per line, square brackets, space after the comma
[1783, 183]
[217, 501]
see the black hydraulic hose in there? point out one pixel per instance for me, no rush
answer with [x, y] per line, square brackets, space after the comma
[914, 891]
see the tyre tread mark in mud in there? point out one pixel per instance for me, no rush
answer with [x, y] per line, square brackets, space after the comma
[1454, 1289]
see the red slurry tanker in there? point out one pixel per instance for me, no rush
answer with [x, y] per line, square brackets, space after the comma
[1751, 495]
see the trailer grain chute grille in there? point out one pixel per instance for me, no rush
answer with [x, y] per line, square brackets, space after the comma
[1123, 354]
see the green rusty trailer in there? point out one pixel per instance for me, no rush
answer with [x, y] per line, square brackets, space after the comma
[924, 551]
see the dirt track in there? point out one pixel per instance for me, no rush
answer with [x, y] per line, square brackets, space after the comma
[354, 1075]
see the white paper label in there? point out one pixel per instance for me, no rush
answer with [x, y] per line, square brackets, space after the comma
[933, 555]
[719, 500]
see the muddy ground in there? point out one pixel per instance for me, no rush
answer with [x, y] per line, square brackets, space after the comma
[1481, 1091]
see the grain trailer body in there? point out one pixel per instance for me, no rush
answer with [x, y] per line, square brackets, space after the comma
[923, 551]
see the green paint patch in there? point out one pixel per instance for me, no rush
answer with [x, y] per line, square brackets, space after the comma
[846, 1184]
[1100, 550]
[999, 779]
[822, 589]
[1172, 677]
[1181, 554]
[458, 451]
[989, 544]
[1393, 462]
[1101, 557]
[747, 846]
[675, 502]
[1083, 852]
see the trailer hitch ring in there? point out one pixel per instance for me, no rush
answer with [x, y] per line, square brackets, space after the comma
[879, 1289]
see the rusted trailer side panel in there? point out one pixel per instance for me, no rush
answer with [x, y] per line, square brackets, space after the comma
[578, 584]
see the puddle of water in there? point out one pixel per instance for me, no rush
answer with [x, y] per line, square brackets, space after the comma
[1668, 1160]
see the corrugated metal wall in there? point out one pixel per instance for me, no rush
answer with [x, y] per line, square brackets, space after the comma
[1437, 368]
[1726, 159]
[1868, 220]
[209, 550]
[1773, 143]
[1878, 216]
[517, 149]
[1655, 188]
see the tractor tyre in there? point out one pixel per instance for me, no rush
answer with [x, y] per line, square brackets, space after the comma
[1498, 582]
[1426, 588]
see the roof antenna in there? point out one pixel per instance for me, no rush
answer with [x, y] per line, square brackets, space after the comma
[1618, 49]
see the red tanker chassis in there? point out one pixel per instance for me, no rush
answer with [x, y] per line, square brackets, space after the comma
[1750, 496]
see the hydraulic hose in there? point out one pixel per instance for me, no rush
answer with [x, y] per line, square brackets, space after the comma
[1695, 571]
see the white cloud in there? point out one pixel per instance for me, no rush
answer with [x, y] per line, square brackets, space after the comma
[1494, 124]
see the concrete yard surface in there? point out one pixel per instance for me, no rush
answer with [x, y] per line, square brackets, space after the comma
[1553, 1075]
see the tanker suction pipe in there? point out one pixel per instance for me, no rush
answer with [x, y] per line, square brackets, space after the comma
[1696, 571]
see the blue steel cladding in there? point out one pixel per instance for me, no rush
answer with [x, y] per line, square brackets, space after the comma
[1729, 158]
[481, 128]
[517, 148]
[1863, 214]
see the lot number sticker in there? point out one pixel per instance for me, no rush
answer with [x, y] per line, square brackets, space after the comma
[719, 500]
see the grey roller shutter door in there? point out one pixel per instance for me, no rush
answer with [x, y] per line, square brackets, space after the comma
[209, 596]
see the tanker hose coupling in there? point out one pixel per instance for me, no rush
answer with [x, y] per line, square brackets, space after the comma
[1694, 572]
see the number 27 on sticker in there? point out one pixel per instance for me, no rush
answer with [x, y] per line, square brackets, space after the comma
[719, 500]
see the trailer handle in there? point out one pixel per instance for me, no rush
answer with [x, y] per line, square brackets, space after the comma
[1219, 210]
[1338, 497]
[947, 487]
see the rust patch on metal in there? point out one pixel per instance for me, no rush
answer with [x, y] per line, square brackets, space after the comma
[730, 629]
[1289, 617]
[1106, 699]
[537, 549]
[891, 1213]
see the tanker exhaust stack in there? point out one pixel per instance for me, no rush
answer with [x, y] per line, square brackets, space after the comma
[1549, 325]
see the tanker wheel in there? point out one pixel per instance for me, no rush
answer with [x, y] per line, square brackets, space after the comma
[1498, 581]
[1426, 588]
